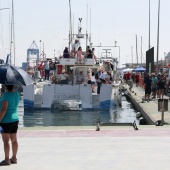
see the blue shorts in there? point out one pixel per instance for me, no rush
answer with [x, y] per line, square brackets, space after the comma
[10, 127]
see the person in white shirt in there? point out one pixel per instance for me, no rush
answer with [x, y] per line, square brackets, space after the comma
[63, 77]
[75, 47]
[93, 81]
[80, 77]
[47, 69]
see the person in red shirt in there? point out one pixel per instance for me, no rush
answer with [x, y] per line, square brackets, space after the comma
[137, 79]
[128, 75]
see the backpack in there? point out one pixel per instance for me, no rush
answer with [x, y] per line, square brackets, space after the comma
[96, 76]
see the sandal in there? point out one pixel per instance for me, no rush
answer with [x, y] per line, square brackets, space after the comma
[13, 162]
[4, 163]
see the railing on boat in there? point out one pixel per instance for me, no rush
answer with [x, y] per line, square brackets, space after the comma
[73, 61]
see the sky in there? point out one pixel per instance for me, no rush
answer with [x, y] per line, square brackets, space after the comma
[111, 20]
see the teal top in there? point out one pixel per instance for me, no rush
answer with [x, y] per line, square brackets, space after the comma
[11, 114]
[154, 81]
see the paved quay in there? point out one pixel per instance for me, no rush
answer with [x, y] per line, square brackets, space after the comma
[148, 109]
[80, 148]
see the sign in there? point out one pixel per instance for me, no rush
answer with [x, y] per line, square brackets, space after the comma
[67, 97]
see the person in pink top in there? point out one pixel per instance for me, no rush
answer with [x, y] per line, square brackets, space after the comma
[79, 55]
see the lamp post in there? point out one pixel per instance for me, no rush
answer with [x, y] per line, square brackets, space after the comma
[119, 52]
[149, 23]
[158, 36]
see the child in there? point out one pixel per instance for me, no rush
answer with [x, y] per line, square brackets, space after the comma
[79, 55]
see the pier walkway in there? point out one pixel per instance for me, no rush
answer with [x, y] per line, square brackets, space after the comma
[83, 148]
[148, 109]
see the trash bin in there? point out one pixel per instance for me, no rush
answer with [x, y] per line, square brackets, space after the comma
[160, 105]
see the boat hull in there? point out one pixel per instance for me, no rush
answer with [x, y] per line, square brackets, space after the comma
[69, 97]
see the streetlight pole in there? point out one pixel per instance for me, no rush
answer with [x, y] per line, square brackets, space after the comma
[158, 37]
[149, 24]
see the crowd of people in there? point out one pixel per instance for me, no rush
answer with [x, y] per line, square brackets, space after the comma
[94, 78]
[155, 85]
[78, 53]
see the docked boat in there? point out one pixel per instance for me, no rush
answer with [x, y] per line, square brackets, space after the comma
[76, 93]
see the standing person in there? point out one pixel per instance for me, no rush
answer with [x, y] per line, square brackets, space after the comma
[94, 56]
[161, 84]
[137, 79]
[99, 82]
[75, 47]
[89, 53]
[154, 85]
[9, 122]
[52, 68]
[66, 53]
[147, 85]
[47, 70]
[93, 80]
[133, 77]
[79, 55]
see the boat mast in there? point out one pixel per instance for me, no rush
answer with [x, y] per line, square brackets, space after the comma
[141, 51]
[12, 40]
[136, 50]
[90, 29]
[132, 54]
[70, 25]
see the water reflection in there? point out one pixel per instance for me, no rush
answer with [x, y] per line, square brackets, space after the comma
[126, 113]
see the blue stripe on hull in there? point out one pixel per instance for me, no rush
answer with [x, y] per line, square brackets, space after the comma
[105, 104]
[28, 104]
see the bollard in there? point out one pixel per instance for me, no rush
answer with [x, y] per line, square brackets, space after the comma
[162, 106]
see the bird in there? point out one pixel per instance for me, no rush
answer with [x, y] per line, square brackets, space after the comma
[134, 125]
[98, 126]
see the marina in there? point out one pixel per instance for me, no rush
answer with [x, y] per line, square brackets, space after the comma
[91, 92]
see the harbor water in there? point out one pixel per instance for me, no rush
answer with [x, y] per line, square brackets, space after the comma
[124, 114]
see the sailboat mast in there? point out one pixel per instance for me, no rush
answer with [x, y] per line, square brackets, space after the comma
[90, 27]
[141, 51]
[70, 25]
[132, 54]
[12, 40]
[136, 50]
[13, 29]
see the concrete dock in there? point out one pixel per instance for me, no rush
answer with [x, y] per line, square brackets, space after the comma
[80, 148]
[149, 109]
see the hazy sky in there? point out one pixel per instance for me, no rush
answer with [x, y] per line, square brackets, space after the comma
[111, 20]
